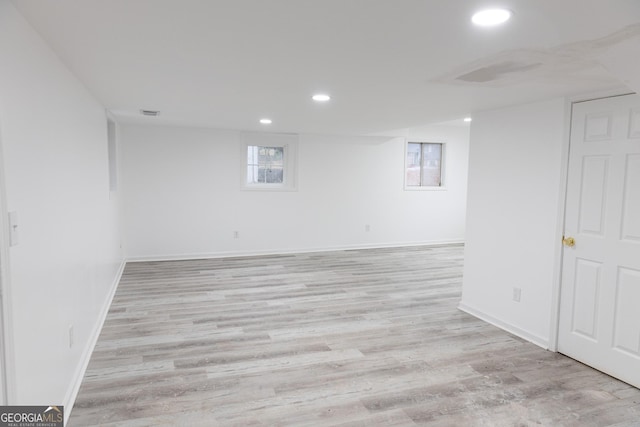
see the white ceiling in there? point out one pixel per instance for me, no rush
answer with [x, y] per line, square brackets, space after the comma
[388, 64]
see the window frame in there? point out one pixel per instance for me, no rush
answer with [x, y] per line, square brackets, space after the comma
[443, 168]
[289, 142]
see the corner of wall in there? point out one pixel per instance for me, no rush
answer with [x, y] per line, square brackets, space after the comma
[76, 381]
[505, 325]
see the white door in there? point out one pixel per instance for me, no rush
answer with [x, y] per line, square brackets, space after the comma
[600, 296]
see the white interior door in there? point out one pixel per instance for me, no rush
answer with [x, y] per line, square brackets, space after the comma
[600, 296]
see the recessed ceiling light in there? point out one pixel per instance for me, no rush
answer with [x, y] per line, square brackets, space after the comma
[266, 121]
[321, 97]
[491, 17]
[467, 119]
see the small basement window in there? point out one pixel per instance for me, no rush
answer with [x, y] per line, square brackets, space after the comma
[265, 165]
[424, 165]
[269, 161]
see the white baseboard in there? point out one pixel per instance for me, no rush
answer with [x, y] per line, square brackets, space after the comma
[72, 392]
[244, 253]
[533, 338]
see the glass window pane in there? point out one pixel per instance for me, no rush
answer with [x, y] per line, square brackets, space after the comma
[252, 164]
[431, 165]
[273, 175]
[413, 164]
[265, 165]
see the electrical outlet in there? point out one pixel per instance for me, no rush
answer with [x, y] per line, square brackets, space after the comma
[236, 235]
[71, 337]
[367, 227]
[517, 292]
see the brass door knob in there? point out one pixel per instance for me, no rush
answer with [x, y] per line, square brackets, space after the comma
[569, 241]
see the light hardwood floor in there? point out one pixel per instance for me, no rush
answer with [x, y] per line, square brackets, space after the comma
[348, 338]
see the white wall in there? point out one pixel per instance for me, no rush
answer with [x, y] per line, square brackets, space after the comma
[513, 232]
[54, 144]
[183, 196]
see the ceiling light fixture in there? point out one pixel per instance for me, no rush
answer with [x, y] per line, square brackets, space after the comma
[266, 121]
[321, 97]
[467, 119]
[491, 17]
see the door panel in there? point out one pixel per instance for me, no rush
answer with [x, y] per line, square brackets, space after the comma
[631, 202]
[595, 171]
[600, 295]
[597, 127]
[627, 327]
[585, 298]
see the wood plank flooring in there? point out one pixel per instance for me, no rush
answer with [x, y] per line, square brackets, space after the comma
[348, 338]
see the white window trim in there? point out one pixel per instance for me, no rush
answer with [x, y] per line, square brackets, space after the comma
[290, 170]
[443, 165]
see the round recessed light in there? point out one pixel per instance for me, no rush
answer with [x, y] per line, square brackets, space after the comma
[491, 17]
[321, 97]
[266, 121]
[467, 119]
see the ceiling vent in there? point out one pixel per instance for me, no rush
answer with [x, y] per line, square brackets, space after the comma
[151, 113]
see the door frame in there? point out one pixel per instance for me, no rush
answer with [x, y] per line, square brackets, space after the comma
[7, 377]
[562, 204]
